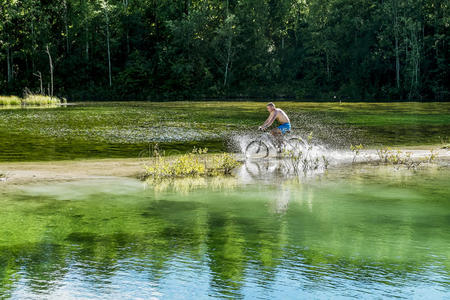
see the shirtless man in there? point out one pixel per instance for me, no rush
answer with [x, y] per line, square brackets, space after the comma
[282, 118]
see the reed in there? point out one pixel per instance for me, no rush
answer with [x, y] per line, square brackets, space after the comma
[10, 100]
[37, 100]
[31, 100]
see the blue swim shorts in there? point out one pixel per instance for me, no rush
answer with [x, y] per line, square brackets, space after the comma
[284, 127]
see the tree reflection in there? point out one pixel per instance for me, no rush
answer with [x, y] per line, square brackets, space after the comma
[317, 231]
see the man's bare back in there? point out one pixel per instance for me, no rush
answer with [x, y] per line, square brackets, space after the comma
[280, 116]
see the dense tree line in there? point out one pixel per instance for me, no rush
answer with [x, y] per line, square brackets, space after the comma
[156, 49]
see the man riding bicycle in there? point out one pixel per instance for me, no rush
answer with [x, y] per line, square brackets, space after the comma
[280, 116]
[259, 147]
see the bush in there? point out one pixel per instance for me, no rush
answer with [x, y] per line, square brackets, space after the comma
[191, 164]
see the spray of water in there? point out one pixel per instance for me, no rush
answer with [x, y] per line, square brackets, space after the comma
[314, 156]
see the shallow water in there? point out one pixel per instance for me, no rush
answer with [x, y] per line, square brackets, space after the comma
[369, 232]
[103, 130]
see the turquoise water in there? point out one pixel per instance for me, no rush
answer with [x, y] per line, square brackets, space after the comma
[371, 232]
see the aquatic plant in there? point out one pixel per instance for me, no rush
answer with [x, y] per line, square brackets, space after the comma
[394, 157]
[300, 158]
[445, 142]
[195, 163]
[402, 158]
[356, 149]
[430, 158]
[3, 176]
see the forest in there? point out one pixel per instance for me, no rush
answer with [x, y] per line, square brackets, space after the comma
[365, 50]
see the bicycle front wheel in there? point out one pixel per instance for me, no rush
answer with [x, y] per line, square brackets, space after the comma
[257, 149]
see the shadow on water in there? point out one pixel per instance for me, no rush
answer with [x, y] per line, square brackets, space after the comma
[349, 231]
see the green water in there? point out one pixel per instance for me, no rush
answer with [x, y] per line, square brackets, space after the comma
[100, 130]
[369, 232]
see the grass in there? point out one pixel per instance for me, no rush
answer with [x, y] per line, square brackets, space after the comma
[30, 100]
[10, 100]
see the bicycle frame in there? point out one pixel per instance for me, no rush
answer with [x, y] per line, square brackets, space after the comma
[272, 140]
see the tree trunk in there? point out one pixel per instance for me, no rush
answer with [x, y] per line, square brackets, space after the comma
[397, 56]
[127, 29]
[38, 74]
[86, 29]
[11, 57]
[108, 48]
[227, 64]
[186, 7]
[414, 61]
[51, 71]
[66, 26]
[32, 45]
[328, 64]
[128, 42]
[87, 42]
[397, 64]
[8, 62]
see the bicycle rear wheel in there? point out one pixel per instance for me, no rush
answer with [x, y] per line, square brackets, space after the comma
[256, 149]
[297, 145]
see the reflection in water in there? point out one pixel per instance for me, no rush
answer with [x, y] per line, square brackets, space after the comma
[344, 233]
[275, 171]
[188, 184]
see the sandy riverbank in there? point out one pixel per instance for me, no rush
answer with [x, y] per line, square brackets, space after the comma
[23, 172]
[26, 172]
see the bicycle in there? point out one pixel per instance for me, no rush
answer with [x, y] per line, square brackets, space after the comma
[260, 147]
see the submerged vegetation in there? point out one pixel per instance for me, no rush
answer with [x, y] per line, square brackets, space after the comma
[30, 100]
[360, 227]
[105, 130]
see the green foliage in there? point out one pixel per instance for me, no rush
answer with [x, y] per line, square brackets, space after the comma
[401, 158]
[192, 164]
[186, 49]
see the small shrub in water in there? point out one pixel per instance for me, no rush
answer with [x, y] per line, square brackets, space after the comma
[191, 165]
[399, 158]
[356, 149]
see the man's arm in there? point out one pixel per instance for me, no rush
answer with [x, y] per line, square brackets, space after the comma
[269, 120]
